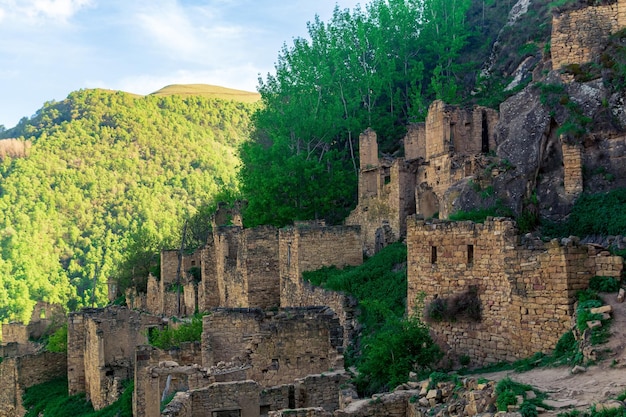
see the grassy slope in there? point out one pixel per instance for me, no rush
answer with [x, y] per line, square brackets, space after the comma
[210, 91]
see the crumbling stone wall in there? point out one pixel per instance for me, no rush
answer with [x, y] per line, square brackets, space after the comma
[22, 372]
[454, 139]
[247, 266]
[526, 289]
[208, 292]
[45, 319]
[386, 195]
[101, 346]
[305, 248]
[439, 153]
[219, 399]
[572, 169]
[159, 374]
[578, 36]
[320, 390]
[276, 347]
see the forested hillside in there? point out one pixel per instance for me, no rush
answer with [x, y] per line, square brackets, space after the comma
[108, 181]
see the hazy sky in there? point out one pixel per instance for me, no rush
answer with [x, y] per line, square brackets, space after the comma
[49, 48]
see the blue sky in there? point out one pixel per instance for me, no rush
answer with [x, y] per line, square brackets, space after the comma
[49, 48]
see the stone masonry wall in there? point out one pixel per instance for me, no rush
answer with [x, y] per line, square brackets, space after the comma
[14, 333]
[259, 260]
[159, 373]
[232, 286]
[303, 249]
[526, 290]
[208, 292]
[101, 346]
[309, 248]
[580, 35]
[20, 373]
[320, 390]
[239, 398]
[573, 169]
[276, 347]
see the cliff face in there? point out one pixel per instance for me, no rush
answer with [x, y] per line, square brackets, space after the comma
[565, 132]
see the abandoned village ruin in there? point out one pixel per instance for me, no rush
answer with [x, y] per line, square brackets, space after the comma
[273, 342]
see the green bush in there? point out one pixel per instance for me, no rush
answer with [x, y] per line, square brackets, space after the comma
[172, 337]
[528, 409]
[505, 399]
[604, 284]
[57, 342]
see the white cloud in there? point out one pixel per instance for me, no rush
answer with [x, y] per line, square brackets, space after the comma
[34, 11]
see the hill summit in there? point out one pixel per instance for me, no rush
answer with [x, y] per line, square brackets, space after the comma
[209, 91]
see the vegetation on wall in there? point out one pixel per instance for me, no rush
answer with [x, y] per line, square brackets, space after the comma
[173, 336]
[107, 183]
[390, 345]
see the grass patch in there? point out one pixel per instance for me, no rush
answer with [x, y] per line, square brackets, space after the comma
[50, 399]
[390, 345]
[170, 337]
[507, 392]
[593, 214]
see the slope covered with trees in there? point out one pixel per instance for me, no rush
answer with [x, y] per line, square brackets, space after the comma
[108, 181]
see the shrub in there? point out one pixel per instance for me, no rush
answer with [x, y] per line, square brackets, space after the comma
[464, 360]
[604, 284]
[462, 306]
[57, 342]
[528, 409]
[505, 399]
[172, 337]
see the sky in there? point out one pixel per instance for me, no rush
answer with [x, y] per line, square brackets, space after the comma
[49, 48]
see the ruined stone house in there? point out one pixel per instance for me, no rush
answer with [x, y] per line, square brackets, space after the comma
[525, 288]
[439, 153]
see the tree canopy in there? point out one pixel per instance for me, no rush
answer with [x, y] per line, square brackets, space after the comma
[108, 181]
[376, 67]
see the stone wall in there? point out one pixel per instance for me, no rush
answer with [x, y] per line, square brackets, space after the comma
[526, 289]
[159, 374]
[386, 194]
[19, 373]
[45, 319]
[227, 399]
[259, 261]
[309, 248]
[439, 153]
[247, 266]
[14, 333]
[320, 390]
[455, 138]
[101, 346]
[274, 347]
[572, 169]
[578, 36]
[208, 292]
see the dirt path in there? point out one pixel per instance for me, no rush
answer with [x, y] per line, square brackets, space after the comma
[598, 383]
